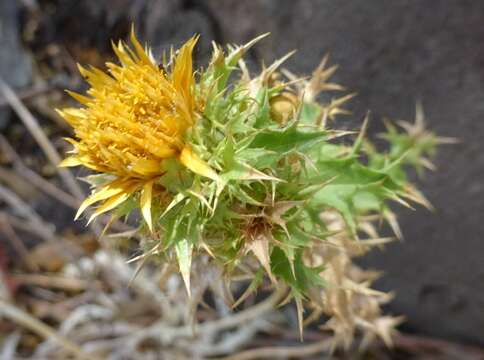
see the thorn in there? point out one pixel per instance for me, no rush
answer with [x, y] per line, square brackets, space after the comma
[361, 135]
[300, 320]
[419, 116]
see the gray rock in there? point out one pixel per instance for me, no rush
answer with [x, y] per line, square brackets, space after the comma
[15, 65]
[172, 22]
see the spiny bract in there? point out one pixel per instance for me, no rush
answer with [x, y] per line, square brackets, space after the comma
[244, 172]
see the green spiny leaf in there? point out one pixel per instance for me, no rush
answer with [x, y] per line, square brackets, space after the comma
[288, 139]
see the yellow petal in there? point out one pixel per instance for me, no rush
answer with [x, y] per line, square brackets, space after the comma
[96, 77]
[183, 69]
[112, 189]
[143, 56]
[80, 98]
[122, 54]
[147, 167]
[197, 165]
[70, 162]
[72, 116]
[109, 205]
[145, 203]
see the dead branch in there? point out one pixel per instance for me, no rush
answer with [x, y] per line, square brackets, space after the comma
[16, 242]
[52, 281]
[22, 318]
[36, 180]
[34, 128]
[283, 352]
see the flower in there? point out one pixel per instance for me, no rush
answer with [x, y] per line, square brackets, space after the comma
[134, 118]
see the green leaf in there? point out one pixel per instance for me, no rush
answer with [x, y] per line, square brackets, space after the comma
[240, 171]
[310, 113]
[176, 200]
[243, 196]
[365, 201]
[337, 197]
[184, 250]
[127, 207]
[298, 237]
[262, 116]
[308, 276]
[253, 286]
[281, 267]
[257, 157]
[303, 278]
[176, 176]
[287, 139]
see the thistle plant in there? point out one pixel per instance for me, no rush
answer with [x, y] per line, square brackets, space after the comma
[247, 174]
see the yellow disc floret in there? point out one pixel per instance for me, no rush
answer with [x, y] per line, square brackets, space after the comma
[135, 116]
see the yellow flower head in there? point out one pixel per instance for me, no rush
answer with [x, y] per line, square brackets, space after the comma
[135, 117]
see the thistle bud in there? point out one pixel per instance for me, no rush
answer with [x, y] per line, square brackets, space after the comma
[283, 107]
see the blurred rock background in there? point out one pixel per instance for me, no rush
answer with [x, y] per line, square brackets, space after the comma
[393, 53]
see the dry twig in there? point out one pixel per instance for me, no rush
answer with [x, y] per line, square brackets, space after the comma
[34, 128]
[16, 242]
[24, 319]
[283, 352]
[26, 212]
[36, 180]
[28, 94]
[52, 281]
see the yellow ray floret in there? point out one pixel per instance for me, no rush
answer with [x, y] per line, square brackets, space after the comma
[134, 117]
